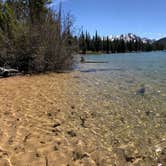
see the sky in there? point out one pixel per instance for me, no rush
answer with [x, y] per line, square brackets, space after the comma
[146, 18]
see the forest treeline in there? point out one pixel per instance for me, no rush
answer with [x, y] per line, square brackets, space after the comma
[33, 37]
[96, 43]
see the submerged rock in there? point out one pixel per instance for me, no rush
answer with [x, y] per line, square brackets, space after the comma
[82, 121]
[141, 91]
[72, 107]
[56, 125]
[49, 114]
[79, 155]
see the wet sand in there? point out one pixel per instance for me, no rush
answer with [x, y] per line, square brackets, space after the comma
[63, 120]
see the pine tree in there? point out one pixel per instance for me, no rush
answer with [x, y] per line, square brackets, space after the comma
[82, 43]
[31, 36]
[87, 40]
[107, 45]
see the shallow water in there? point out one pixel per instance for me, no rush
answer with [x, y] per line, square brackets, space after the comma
[127, 98]
[130, 71]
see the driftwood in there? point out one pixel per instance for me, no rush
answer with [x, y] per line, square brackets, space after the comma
[7, 72]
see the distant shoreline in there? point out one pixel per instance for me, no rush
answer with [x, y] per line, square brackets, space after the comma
[103, 53]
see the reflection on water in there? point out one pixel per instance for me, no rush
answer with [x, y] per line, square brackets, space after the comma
[127, 99]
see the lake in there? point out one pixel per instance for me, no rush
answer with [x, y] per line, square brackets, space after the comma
[129, 72]
[125, 98]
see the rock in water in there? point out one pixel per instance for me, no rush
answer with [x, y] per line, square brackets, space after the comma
[141, 91]
[82, 59]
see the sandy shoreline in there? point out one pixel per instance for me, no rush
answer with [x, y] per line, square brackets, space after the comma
[56, 120]
[32, 114]
[37, 126]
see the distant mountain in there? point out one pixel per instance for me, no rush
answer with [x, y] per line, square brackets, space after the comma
[162, 42]
[131, 37]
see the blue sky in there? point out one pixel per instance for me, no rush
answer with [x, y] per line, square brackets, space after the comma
[146, 18]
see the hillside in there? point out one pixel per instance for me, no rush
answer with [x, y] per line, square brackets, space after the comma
[162, 42]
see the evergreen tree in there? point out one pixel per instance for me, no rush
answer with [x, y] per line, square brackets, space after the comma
[97, 43]
[33, 37]
[107, 45]
[82, 43]
[87, 40]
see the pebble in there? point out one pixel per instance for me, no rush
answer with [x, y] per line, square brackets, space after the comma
[49, 114]
[72, 107]
[56, 125]
[56, 148]
[72, 133]
[158, 149]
